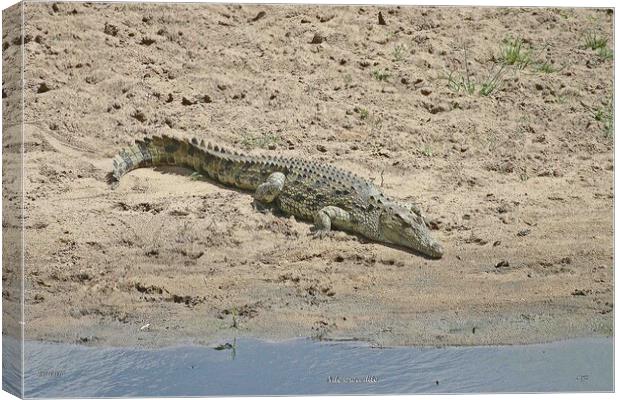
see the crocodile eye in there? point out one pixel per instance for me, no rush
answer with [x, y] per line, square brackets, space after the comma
[401, 219]
[404, 216]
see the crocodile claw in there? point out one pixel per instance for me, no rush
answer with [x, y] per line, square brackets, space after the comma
[197, 176]
[321, 233]
[260, 207]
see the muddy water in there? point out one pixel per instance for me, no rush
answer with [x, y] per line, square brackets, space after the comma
[247, 366]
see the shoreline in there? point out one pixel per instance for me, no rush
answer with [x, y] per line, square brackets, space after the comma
[213, 344]
[428, 332]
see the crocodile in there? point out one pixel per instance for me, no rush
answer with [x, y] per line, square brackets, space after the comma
[322, 193]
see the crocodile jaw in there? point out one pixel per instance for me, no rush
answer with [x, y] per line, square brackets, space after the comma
[418, 241]
[402, 227]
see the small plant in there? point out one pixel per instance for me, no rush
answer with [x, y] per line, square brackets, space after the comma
[561, 99]
[513, 53]
[493, 81]
[363, 113]
[541, 64]
[545, 67]
[593, 41]
[454, 83]
[464, 82]
[461, 82]
[373, 121]
[605, 116]
[467, 83]
[399, 52]
[348, 79]
[427, 151]
[380, 75]
[605, 53]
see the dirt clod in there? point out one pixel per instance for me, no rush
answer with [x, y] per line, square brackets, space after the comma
[317, 39]
[381, 19]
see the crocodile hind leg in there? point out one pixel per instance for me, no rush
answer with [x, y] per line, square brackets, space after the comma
[267, 191]
[329, 217]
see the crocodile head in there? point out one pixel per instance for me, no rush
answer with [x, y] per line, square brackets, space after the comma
[404, 227]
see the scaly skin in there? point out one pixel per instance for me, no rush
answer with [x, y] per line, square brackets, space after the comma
[325, 194]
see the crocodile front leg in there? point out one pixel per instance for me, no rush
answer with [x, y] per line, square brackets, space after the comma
[330, 216]
[271, 188]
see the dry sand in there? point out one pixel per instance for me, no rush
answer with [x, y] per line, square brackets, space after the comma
[518, 184]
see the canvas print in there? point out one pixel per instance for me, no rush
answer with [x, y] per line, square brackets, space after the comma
[233, 199]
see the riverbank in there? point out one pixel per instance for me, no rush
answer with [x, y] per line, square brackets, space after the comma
[517, 178]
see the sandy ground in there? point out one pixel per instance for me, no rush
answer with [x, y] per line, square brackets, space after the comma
[518, 183]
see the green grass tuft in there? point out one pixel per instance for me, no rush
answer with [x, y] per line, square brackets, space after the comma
[493, 81]
[605, 115]
[466, 83]
[461, 82]
[427, 151]
[380, 75]
[605, 53]
[513, 53]
[599, 43]
[363, 113]
[399, 52]
[593, 41]
[545, 67]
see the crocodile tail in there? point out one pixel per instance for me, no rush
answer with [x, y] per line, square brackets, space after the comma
[152, 152]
